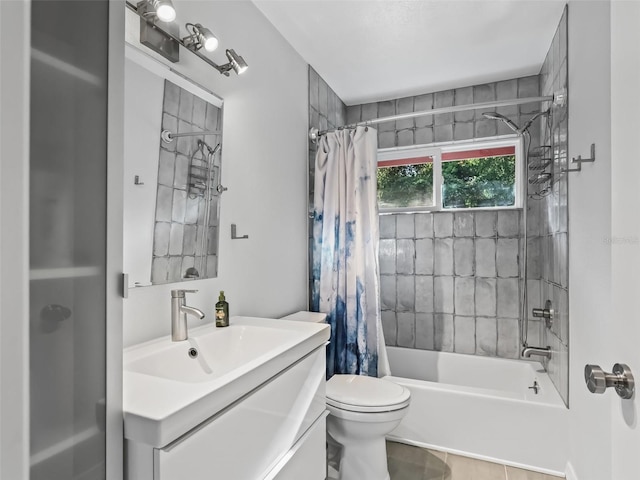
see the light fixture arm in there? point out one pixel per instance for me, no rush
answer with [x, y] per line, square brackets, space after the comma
[223, 69]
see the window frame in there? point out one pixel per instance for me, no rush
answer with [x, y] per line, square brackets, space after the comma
[436, 151]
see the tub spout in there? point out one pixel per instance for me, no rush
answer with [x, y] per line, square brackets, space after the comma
[539, 351]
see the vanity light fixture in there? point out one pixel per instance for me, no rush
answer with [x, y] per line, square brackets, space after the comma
[200, 37]
[163, 37]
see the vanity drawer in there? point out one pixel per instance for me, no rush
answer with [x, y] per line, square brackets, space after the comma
[308, 457]
[251, 436]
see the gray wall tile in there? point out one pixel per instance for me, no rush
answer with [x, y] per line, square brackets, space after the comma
[463, 224]
[160, 269]
[423, 136]
[464, 96]
[175, 269]
[388, 292]
[387, 226]
[424, 256]
[508, 338]
[443, 339]
[486, 297]
[406, 293]
[425, 331]
[509, 223]
[405, 255]
[443, 224]
[443, 264]
[443, 133]
[387, 256]
[507, 257]
[405, 138]
[166, 166]
[422, 103]
[485, 257]
[161, 239]
[386, 139]
[486, 223]
[164, 204]
[406, 329]
[486, 336]
[463, 254]
[424, 225]
[508, 298]
[464, 335]
[405, 226]
[179, 206]
[424, 293]
[443, 294]
[389, 327]
[464, 296]
[404, 105]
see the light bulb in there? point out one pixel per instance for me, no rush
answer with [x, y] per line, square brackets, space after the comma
[166, 12]
[210, 44]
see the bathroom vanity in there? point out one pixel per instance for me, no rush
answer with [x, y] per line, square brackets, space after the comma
[246, 402]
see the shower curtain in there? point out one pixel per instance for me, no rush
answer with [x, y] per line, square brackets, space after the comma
[345, 272]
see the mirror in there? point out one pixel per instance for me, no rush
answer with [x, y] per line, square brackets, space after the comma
[172, 179]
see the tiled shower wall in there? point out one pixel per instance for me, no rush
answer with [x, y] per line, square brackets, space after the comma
[467, 299]
[180, 213]
[548, 225]
[450, 281]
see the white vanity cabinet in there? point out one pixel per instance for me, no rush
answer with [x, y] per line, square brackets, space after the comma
[274, 432]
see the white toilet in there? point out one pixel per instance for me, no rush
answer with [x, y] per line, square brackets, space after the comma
[362, 410]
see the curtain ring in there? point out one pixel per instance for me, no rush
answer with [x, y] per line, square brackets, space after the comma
[366, 128]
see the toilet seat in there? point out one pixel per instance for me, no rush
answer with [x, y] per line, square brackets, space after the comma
[358, 393]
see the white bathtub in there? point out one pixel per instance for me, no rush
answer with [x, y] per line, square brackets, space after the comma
[482, 407]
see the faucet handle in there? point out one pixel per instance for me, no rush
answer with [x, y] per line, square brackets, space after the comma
[181, 293]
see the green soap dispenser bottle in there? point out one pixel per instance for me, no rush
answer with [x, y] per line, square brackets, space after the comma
[222, 311]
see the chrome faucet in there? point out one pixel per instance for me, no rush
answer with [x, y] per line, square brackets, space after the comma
[540, 351]
[179, 313]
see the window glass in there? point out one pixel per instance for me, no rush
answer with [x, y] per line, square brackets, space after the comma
[406, 183]
[479, 175]
[479, 181]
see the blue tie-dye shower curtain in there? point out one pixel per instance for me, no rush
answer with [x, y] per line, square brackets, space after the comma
[345, 271]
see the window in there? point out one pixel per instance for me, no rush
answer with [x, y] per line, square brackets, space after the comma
[473, 175]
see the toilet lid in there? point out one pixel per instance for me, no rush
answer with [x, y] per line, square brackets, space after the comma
[366, 394]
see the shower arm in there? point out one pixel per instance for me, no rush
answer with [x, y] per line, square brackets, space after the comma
[167, 136]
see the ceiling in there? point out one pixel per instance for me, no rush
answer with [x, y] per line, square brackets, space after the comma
[372, 50]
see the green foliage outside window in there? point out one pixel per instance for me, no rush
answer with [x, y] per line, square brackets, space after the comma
[406, 186]
[478, 182]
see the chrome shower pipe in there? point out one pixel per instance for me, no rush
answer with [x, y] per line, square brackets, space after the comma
[167, 136]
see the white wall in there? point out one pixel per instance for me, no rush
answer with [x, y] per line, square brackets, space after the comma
[264, 168]
[589, 229]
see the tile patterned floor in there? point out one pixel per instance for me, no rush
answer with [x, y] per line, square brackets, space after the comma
[413, 463]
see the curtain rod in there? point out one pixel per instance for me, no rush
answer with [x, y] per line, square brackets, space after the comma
[314, 133]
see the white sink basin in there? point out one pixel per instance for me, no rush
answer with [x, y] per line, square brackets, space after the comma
[209, 353]
[167, 391]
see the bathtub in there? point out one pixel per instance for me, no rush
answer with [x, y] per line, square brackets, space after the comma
[481, 407]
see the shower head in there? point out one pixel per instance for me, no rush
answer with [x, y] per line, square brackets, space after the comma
[502, 118]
